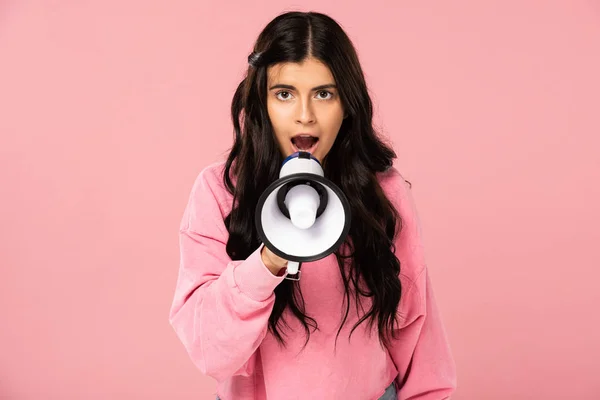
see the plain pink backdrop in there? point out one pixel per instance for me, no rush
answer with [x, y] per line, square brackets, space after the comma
[109, 109]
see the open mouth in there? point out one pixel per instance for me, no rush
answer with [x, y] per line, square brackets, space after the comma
[305, 143]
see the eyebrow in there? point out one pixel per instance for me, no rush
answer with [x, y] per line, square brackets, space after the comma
[290, 87]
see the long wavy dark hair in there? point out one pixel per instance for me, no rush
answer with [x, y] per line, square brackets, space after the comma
[368, 265]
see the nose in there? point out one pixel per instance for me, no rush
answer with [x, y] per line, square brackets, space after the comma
[306, 114]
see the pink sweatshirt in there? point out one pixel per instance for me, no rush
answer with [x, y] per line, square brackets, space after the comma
[221, 309]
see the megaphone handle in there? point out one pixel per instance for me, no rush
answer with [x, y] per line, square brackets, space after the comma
[292, 267]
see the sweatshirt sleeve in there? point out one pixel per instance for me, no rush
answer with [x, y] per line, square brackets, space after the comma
[421, 352]
[426, 368]
[221, 307]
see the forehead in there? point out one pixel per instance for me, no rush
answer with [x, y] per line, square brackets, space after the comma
[310, 72]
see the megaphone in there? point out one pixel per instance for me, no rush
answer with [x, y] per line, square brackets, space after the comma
[302, 216]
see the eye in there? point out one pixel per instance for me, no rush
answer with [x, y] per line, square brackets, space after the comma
[327, 93]
[283, 98]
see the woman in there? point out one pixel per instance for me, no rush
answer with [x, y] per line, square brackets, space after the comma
[362, 323]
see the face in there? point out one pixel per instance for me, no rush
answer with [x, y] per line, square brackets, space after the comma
[304, 107]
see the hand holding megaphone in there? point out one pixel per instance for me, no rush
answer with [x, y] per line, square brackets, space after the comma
[272, 261]
[302, 216]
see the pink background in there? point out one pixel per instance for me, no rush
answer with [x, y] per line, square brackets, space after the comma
[109, 109]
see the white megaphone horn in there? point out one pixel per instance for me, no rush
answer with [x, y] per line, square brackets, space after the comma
[302, 216]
